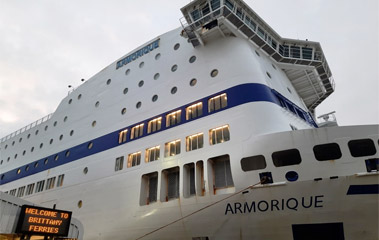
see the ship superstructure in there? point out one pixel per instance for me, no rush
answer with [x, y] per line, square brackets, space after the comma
[168, 141]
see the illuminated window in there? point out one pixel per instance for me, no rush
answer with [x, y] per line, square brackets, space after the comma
[29, 189]
[137, 131]
[154, 125]
[13, 192]
[218, 102]
[152, 154]
[39, 187]
[173, 118]
[20, 192]
[134, 159]
[194, 142]
[219, 135]
[194, 111]
[122, 136]
[60, 180]
[50, 183]
[172, 148]
[119, 163]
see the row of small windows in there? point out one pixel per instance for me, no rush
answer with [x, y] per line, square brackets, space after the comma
[192, 112]
[322, 152]
[173, 148]
[38, 187]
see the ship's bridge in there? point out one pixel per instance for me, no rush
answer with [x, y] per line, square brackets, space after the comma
[303, 61]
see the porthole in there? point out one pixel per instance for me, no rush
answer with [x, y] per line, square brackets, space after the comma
[85, 170]
[8, 159]
[20, 140]
[97, 104]
[158, 56]
[41, 145]
[80, 204]
[141, 65]
[93, 123]
[70, 101]
[35, 164]
[125, 90]
[65, 119]
[140, 84]
[273, 66]
[123, 111]
[37, 132]
[27, 168]
[79, 96]
[18, 171]
[90, 145]
[268, 74]
[154, 98]
[67, 154]
[193, 82]
[174, 90]
[177, 46]
[127, 72]
[214, 73]
[46, 161]
[71, 132]
[61, 137]
[56, 157]
[28, 136]
[15, 156]
[55, 123]
[109, 81]
[13, 143]
[51, 141]
[256, 52]
[174, 68]
[292, 176]
[1, 163]
[46, 127]
[138, 105]
[32, 149]
[156, 76]
[192, 59]
[23, 153]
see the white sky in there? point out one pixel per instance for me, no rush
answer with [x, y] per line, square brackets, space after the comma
[46, 45]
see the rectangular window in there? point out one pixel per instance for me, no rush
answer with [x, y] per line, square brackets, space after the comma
[13, 192]
[195, 15]
[137, 131]
[307, 53]
[194, 111]
[149, 188]
[295, 52]
[29, 189]
[119, 164]
[219, 135]
[134, 159]
[218, 102]
[222, 174]
[194, 142]
[122, 136]
[229, 4]
[39, 187]
[152, 154]
[189, 180]
[170, 183]
[154, 125]
[20, 192]
[286, 158]
[215, 4]
[173, 118]
[172, 148]
[60, 180]
[50, 183]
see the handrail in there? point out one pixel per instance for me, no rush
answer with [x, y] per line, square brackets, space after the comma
[30, 126]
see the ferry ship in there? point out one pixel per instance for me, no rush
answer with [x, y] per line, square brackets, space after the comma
[206, 132]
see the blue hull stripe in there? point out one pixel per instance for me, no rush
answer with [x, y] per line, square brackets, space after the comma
[237, 95]
[363, 189]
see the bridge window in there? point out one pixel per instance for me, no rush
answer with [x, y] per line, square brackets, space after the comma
[172, 148]
[219, 135]
[122, 136]
[222, 174]
[325, 152]
[134, 159]
[170, 184]
[29, 189]
[194, 111]
[253, 163]
[173, 118]
[362, 147]
[229, 4]
[295, 52]
[149, 188]
[40, 185]
[50, 183]
[307, 53]
[218, 102]
[195, 15]
[286, 158]
[194, 142]
[20, 192]
[119, 164]
[152, 154]
[137, 131]
[60, 180]
[154, 125]
[215, 4]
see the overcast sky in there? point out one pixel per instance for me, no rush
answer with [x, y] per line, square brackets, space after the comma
[46, 45]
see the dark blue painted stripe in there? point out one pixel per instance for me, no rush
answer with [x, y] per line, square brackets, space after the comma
[237, 95]
[363, 189]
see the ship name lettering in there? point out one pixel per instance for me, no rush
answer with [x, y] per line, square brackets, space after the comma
[293, 204]
[137, 54]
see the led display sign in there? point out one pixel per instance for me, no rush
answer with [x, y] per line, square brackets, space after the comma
[43, 221]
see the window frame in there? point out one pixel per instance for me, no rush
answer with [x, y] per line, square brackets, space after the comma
[194, 111]
[156, 151]
[154, 125]
[217, 102]
[174, 118]
[214, 139]
[168, 148]
[198, 139]
[137, 131]
[134, 159]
